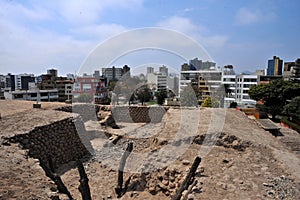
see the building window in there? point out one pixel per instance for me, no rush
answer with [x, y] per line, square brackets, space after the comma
[86, 87]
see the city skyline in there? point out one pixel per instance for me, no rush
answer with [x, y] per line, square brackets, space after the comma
[36, 36]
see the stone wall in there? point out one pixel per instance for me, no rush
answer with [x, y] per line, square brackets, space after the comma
[138, 114]
[130, 114]
[86, 111]
[61, 141]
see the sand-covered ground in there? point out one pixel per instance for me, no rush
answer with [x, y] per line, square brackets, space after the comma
[239, 159]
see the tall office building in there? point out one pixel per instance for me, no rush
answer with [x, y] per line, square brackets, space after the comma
[114, 73]
[292, 70]
[207, 65]
[274, 67]
[20, 82]
[150, 70]
[126, 72]
[163, 70]
[52, 73]
[196, 64]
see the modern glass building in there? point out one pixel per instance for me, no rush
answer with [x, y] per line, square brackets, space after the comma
[274, 66]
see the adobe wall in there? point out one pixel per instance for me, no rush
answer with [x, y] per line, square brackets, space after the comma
[130, 114]
[86, 111]
[138, 114]
[59, 141]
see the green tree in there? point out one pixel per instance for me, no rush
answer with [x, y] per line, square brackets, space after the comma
[210, 102]
[112, 85]
[274, 95]
[292, 109]
[160, 96]
[143, 94]
[233, 104]
[84, 98]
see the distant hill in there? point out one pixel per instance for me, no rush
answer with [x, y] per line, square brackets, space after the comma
[247, 72]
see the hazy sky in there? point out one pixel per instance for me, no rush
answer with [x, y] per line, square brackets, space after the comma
[36, 35]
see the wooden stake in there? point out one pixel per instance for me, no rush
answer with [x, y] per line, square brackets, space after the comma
[187, 179]
[56, 178]
[119, 189]
[84, 183]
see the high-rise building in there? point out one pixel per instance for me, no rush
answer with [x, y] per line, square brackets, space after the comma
[157, 81]
[260, 72]
[274, 67]
[114, 73]
[126, 71]
[20, 82]
[52, 73]
[206, 78]
[207, 65]
[163, 70]
[228, 70]
[162, 80]
[52, 81]
[85, 85]
[2, 82]
[292, 70]
[196, 64]
[173, 83]
[150, 70]
[212, 75]
[185, 67]
[238, 87]
[70, 76]
[96, 74]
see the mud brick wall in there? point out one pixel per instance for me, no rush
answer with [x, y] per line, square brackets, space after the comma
[138, 114]
[130, 114]
[61, 141]
[86, 111]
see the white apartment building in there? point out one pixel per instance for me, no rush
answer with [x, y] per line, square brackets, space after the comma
[157, 81]
[69, 90]
[164, 70]
[173, 83]
[213, 78]
[239, 86]
[33, 95]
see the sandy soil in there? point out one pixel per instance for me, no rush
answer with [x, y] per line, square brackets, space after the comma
[224, 173]
[9, 107]
[239, 161]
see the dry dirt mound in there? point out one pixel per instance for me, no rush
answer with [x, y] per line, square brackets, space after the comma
[245, 162]
[22, 177]
[222, 139]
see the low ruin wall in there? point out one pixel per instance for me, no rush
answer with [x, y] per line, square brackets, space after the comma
[138, 114]
[130, 114]
[86, 111]
[60, 141]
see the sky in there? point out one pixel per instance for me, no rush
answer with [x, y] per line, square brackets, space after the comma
[37, 35]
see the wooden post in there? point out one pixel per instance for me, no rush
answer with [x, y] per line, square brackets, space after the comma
[84, 183]
[56, 178]
[189, 190]
[119, 190]
[187, 180]
[37, 105]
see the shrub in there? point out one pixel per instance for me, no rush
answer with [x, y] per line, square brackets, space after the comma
[293, 125]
